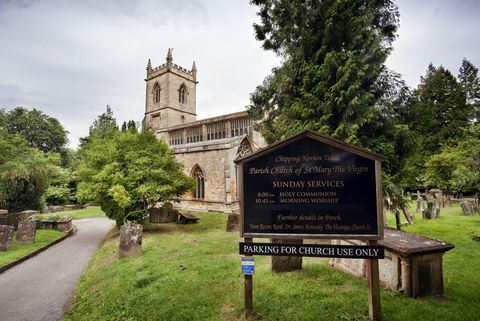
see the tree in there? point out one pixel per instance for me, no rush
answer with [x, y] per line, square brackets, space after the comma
[62, 188]
[41, 131]
[440, 110]
[333, 53]
[457, 167]
[128, 173]
[25, 173]
[131, 125]
[468, 77]
[105, 125]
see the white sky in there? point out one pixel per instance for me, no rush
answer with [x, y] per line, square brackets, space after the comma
[70, 58]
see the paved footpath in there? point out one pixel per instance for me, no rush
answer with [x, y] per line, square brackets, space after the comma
[39, 288]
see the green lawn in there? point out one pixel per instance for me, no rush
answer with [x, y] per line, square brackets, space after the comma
[91, 211]
[192, 272]
[17, 250]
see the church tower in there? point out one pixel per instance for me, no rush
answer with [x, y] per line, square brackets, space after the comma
[170, 98]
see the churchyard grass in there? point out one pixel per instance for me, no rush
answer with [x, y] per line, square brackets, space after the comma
[18, 250]
[192, 272]
[89, 212]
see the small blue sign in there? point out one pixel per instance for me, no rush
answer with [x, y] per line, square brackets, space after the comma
[248, 265]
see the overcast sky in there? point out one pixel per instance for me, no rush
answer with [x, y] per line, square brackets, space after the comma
[70, 58]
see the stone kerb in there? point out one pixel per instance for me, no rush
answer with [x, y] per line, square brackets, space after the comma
[26, 231]
[130, 240]
[6, 237]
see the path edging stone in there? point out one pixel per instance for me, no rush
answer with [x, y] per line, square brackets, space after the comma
[40, 250]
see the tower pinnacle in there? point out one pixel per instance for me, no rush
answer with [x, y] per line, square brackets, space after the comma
[194, 70]
[169, 58]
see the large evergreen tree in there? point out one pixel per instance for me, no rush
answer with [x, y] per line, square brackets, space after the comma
[440, 111]
[468, 77]
[333, 53]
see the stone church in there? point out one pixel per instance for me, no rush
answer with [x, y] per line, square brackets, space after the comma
[207, 147]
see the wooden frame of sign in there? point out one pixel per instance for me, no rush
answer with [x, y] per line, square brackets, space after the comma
[311, 186]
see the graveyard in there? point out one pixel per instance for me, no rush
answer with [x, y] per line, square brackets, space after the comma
[193, 272]
[284, 161]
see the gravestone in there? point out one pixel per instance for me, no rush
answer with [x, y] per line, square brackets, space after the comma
[130, 239]
[3, 217]
[435, 209]
[24, 215]
[427, 211]
[419, 205]
[233, 223]
[26, 232]
[163, 214]
[6, 237]
[467, 208]
[476, 208]
[286, 263]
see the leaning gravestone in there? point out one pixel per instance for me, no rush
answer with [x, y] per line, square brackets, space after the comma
[233, 223]
[6, 237]
[26, 231]
[467, 208]
[130, 240]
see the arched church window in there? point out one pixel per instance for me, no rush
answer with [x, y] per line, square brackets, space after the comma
[199, 177]
[156, 93]
[182, 94]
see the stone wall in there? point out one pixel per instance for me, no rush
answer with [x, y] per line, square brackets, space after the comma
[216, 161]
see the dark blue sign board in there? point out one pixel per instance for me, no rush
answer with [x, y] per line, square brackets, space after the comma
[311, 186]
[248, 265]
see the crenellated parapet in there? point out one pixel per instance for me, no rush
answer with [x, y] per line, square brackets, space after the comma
[169, 66]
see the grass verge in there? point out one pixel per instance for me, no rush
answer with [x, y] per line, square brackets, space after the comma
[18, 250]
[192, 272]
[89, 212]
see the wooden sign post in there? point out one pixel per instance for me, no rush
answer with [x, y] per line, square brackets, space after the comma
[248, 288]
[312, 186]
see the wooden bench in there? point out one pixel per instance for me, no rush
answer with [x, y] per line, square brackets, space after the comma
[185, 218]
